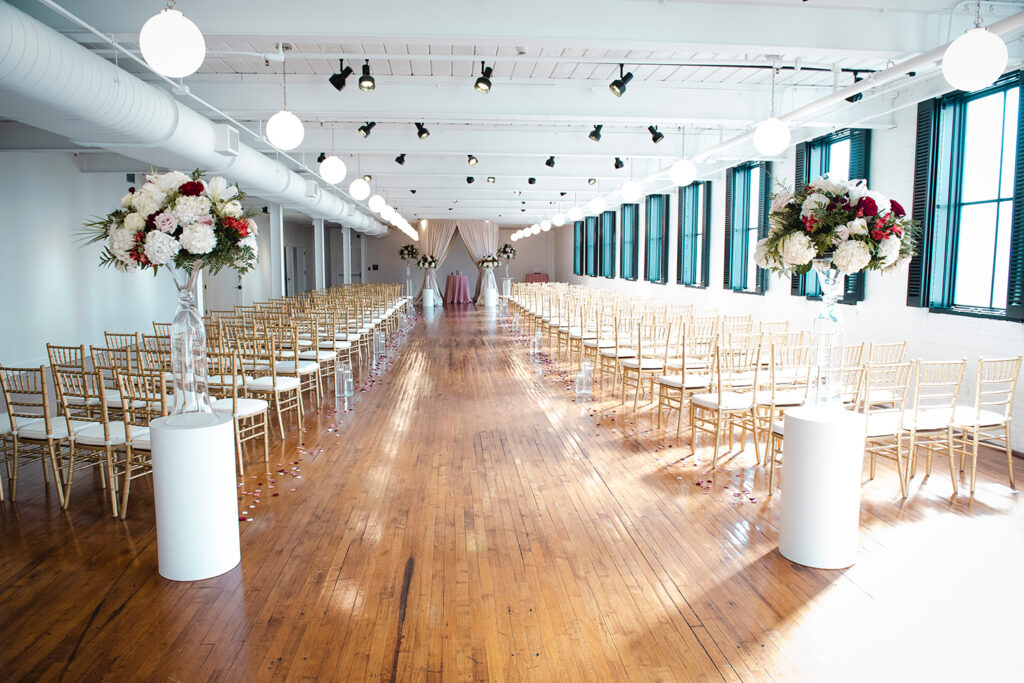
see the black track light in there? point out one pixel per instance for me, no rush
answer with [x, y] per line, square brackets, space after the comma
[364, 130]
[595, 134]
[366, 82]
[320, 159]
[523, 210]
[367, 177]
[421, 131]
[517, 193]
[532, 181]
[550, 163]
[472, 160]
[562, 194]
[618, 86]
[400, 159]
[656, 135]
[858, 96]
[490, 179]
[483, 84]
[591, 181]
[618, 163]
[470, 179]
[338, 79]
[523, 202]
[413, 191]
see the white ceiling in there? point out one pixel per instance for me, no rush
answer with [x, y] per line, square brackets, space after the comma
[553, 60]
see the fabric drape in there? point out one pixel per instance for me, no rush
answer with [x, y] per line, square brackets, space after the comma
[481, 238]
[435, 240]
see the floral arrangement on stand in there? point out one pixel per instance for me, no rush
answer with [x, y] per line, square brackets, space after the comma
[426, 261]
[507, 252]
[181, 221]
[488, 262]
[408, 252]
[843, 221]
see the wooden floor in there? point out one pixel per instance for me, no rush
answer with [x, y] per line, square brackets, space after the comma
[469, 520]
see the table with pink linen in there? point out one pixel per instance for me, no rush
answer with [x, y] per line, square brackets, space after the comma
[536, 277]
[456, 290]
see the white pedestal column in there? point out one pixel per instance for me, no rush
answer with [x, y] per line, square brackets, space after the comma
[428, 298]
[822, 461]
[195, 495]
[506, 287]
[490, 297]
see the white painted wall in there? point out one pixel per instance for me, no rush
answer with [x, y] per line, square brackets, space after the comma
[882, 317]
[53, 288]
[222, 292]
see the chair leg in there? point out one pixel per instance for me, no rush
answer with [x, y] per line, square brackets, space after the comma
[238, 446]
[66, 478]
[952, 464]
[277, 407]
[901, 467]
[129, 454]
[771, 462]
[974, 457]
[1009, 454]
[266, 441]
[56, 471]
[718, 431]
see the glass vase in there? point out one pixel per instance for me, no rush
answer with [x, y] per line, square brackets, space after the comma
[827, 339]
[507, 262]
[191, 400]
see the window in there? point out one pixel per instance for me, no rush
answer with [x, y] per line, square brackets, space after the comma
[608, 244]
[969, 199]
[630, 248]
[746, 221]
[577, 247]
[843, 155]
[694, 226]
[590, 230]
[656, 248]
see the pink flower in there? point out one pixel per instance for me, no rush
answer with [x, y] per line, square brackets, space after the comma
[165, 222]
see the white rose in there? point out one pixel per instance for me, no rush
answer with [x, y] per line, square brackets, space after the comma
[858, 226]
[232, 209]
[780, 200]
[126, 201]
[797, 249]
[161, 247]
[219, 190]
[851, 257]
[813, 203]
[134, 222]
[198, 238]
[842, 234]
[889, 250]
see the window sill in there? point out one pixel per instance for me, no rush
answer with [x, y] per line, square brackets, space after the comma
[694, 286]
[987, 313]
[747, 291]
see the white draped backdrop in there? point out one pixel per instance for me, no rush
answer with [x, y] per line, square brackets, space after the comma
[481, 238]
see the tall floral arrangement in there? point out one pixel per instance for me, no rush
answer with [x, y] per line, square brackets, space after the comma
[843, 221]
[408, 252]
[426, 261]
[507, 252]
[488, 261]
[178, 220]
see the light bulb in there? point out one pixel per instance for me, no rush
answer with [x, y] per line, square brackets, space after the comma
[359, 189]
[285, 130]
[974, 60]
[575, 213]
[545, 226]
[558, 219]
[683, 172]
[332, 169]
[632, 191]
[376, 203]
[535, 229]
[172, 44]
[771, 137]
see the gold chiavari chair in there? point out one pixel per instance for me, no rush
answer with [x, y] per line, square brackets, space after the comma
[121, 340]
[895, 352]
[787, 384]
[930, 421]
[731, 400]
[652, 343]
[694, 376]
[610, 357]
[229, 386]
[991, 415]
[773, 327]
[282, 392]
[143, 399]
[162, 329]
[853, 355]
[883, 403]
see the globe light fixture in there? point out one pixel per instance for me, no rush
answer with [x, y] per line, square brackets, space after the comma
[285, 131]
[597, 205]
[535, 229]
[332, 169]
[359, 189]
[575, 213]
[771, 136]
[171, 44]
[558, 220]
[974, 60]
[632, 191]
[545, 226]
[376, 203]
[683, 172]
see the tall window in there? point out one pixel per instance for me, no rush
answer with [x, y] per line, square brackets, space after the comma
[608, 244]
[630, 247]
[656, 248]
[590, 231]
[694, 225]
[746, 221]
[841, 155]
[577, 247]
[969, 198]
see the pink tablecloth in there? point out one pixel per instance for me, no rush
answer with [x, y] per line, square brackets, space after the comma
[456, 290]
[536, 277]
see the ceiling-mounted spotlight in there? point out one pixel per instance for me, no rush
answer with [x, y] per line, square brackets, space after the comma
[618, 163]
[421, 131]
[595, 134]
[412, 191]
[470, 179]
[483, 84]
[365, 129]
[656, 135]
[858, 96]
[367, 177]
[523, 210]
[490, 179]
[472, 160]
[618, 86]
[550, 163]
[400, 159]
[591, 181]
[562, 194]
[517, 193]
[532, 181]
[366, 82]
[320, 159]
[338, 79]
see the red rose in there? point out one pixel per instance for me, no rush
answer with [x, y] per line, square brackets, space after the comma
[131, 190]
[192, 188]
[897, 209]
[868, 206]
[238, 225]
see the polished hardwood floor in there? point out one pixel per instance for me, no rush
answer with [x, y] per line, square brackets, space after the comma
[470, 521]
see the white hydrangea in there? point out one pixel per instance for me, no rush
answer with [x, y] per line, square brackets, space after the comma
[126, 266]
[851, 257]
[813, 202]
[160, 247]
[797, 249]
[148, 200]
[135, 221]
[232, 209]
[219, 190]
[168, 182]
[190, 209]
[889, 250]
[198, 238]
[126, 201]
[119, 243]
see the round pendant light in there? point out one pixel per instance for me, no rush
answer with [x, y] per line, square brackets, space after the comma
[558, 219]
[332, 169]
[285, 130]
[632, 191]
[597, 205]
[376, 203]
[545, 226]
[974, 60]
[771, 136]
[575, 213]
[683, 172]
[172, 44]
[359, 189]
[535, 229]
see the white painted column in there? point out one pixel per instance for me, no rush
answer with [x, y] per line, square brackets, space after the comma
[276, 251]
[362, 258]
[319, 252]
[346, 248]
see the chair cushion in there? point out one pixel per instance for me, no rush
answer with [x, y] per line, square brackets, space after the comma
[883, 424]
[59, 426]
[693, 381]
[731, 400]
[784, 397]
[619, 353]
[599, 343]
[247, 407]
[304, 367]
[93, 435]
[966, 416]
[644, 364]
[226, 380]
[5, 423]
[267, 383]
[323, 355]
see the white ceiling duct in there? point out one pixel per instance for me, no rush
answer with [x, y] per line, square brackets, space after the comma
[51, 82]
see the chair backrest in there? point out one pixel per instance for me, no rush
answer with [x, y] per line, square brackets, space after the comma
[853, 355]
[162, 329]
[936, 387]
[81, 396]
[143, 396]
[109, 361]
[997, 381]
[790, 368]
[66, 356]
[26, 395]
[121, 340]
[773, 326]
[885, 389]
[895, 352]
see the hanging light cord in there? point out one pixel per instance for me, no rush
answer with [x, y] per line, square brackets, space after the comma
[977, 15]
[284, 80]
[771, 104]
